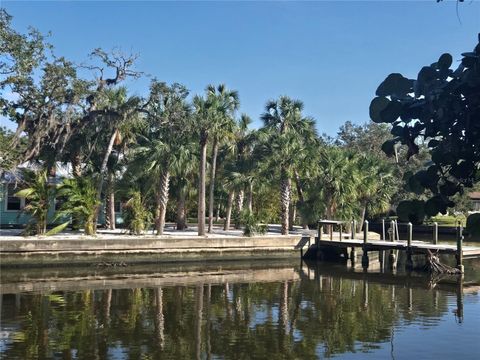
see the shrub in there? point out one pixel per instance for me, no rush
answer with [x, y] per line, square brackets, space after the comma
[136, 216]
[251, 224]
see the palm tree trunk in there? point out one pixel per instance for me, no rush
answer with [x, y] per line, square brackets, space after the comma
[293, 215]
[181, 213]
[228, 215]
[301, 197]
[239, 208]
[162, 201]
[364, 212]
[250, 197]
[217, 217]
[201, 186]
[212, 185]
[285, 200]
[110, 203]
[76, 162]
[103, 170]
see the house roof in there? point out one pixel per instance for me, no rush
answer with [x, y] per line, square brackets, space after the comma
[62, 171]
[475, 195]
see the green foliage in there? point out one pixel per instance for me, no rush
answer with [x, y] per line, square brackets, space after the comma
[38, 194]
[251, 224]
[9, 155]
[137, 217]
[80, 201]
[438, 109]
[348, 185]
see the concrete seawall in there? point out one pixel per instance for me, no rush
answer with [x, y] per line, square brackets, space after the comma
[31, 252]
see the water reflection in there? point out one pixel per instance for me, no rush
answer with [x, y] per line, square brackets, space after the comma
[279, 312]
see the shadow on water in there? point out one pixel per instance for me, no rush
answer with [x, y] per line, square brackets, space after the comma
[232, 310]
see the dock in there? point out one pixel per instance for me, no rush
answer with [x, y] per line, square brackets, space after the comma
[342, 241]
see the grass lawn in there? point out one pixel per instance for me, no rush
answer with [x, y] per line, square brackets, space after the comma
[448, 220]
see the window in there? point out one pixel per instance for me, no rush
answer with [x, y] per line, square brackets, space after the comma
[58, 203]
[14, 203]
[117, 206]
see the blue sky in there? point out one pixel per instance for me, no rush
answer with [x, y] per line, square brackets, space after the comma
[331, 55]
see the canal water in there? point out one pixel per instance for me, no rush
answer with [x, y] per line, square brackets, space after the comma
[238, 310]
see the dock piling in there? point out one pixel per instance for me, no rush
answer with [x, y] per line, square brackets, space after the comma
[459, 255]
[365, 260]
[409, 263]
[435, 233]
[392, 257]
[383, 230]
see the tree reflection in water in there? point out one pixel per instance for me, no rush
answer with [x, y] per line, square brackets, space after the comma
[316, 315]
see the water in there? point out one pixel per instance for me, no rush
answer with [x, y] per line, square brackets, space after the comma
[276, 310]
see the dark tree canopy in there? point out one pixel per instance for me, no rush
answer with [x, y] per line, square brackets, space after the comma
[441, 109]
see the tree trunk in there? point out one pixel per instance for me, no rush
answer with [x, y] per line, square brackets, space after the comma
[110, 203]
[364, 212]
[201, 186]
[293, 215]
[239, 208]
[301, 198]
[285, 200]
[181, 213]
[76, 161]
[162, 201]
[228, 215]
[212, 185]
[250, 197]
[103, 170]
[217, 217]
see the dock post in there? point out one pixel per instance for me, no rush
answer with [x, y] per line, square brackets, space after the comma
[459, 248]
[392, 257]
[409, 263]
[365, 260]
[354, 230]
[383, 230]
[381, 253]
[353, 255]
[340, 232]
[435, 233]
[320, 230]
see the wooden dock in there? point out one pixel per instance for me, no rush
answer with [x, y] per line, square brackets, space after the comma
[417, 247]
[343, 241]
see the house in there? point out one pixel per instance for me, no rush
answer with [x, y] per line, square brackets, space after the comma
[11, 206]
[475, 198]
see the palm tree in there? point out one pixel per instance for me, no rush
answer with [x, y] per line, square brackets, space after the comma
[226, 102]
[376, 185]
[39, 193]
[80, 201]
[203, 114]
[337, 182]
[212, 113]
[120, 113]
[286, 130]
[240, 169]
[166, 145]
